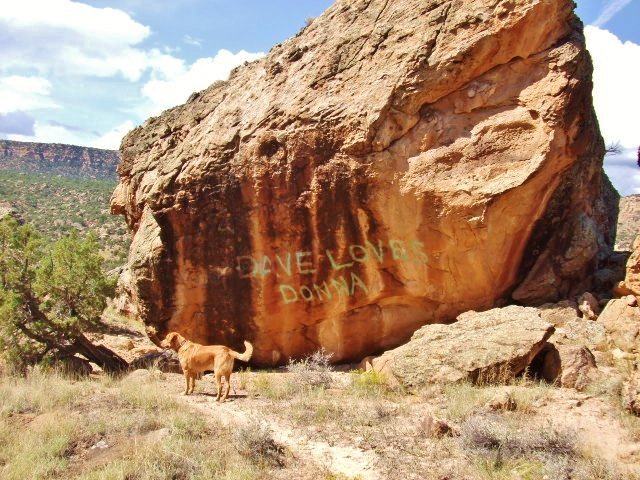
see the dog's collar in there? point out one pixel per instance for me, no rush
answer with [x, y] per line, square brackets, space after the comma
[180, 345]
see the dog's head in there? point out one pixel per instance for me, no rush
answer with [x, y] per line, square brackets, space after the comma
[173, 341]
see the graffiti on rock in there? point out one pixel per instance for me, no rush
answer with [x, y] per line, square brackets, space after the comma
[288, 267]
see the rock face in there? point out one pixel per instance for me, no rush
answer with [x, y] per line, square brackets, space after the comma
[393, 165]
[622, 322]
[123, 300]
[631, 284]
[66, 160]
[628, 222]
[491, 346]
[631, 393]
[570, 366]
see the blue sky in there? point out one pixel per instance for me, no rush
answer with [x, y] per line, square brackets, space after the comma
[85, 72]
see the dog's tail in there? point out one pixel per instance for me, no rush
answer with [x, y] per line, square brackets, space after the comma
[243, 356]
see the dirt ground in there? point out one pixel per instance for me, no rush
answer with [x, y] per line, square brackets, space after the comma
[351, 426]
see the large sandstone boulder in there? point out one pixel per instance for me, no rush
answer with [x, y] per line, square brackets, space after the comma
[631, 283]
[581, 332]
[570, 366]
[492, 346]
[123, 300]
[622, 322]
[559, 314]
[393, 165]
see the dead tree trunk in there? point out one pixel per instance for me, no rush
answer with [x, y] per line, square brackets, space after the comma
[102, 356]
[66, 344]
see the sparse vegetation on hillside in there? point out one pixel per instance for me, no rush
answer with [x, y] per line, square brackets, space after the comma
[55, 205]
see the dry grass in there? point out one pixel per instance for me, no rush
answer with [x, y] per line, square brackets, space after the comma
[265, 385]
[506, 448]
[148, 433]
[465, 399]
[369, 384]
[152, 434]
[313, 371]
[255, 441]
[611, 389]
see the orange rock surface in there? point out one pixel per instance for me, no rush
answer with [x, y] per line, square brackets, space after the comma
[393, 165]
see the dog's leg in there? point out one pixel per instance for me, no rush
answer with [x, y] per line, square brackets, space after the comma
[193, 382]
[219, 385]
[186, 377]
[226, 392]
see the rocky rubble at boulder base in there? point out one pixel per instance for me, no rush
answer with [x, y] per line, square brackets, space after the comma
[393, 165]
[492, 346]
[631, 283]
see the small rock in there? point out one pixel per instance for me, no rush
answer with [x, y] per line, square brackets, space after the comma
[139, 373]
[437, 428]
[621, 290]
[582, 332]
[165, 361]
[101, 444]
[569, 366]
[618, 354]
[503, 400]
[589, 306]
[366, 363]
[126, 344]
[75, 367]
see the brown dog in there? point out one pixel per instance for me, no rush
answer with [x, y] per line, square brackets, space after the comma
[195, 359]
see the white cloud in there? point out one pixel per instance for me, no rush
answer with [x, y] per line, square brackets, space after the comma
[610, 11]
[175, 88]
[189, 40]
[623, 171]
[104, 23]
[617, 103]
[66, 37]
[111, 140]
[47, 45]
[615, 85]
[49, 132]
[19, 92]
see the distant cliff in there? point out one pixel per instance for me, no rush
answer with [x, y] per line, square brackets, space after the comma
[58, 159]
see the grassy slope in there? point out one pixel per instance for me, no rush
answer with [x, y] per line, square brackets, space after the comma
[56, 204]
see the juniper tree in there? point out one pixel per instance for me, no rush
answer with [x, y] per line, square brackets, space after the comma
[50, 295]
